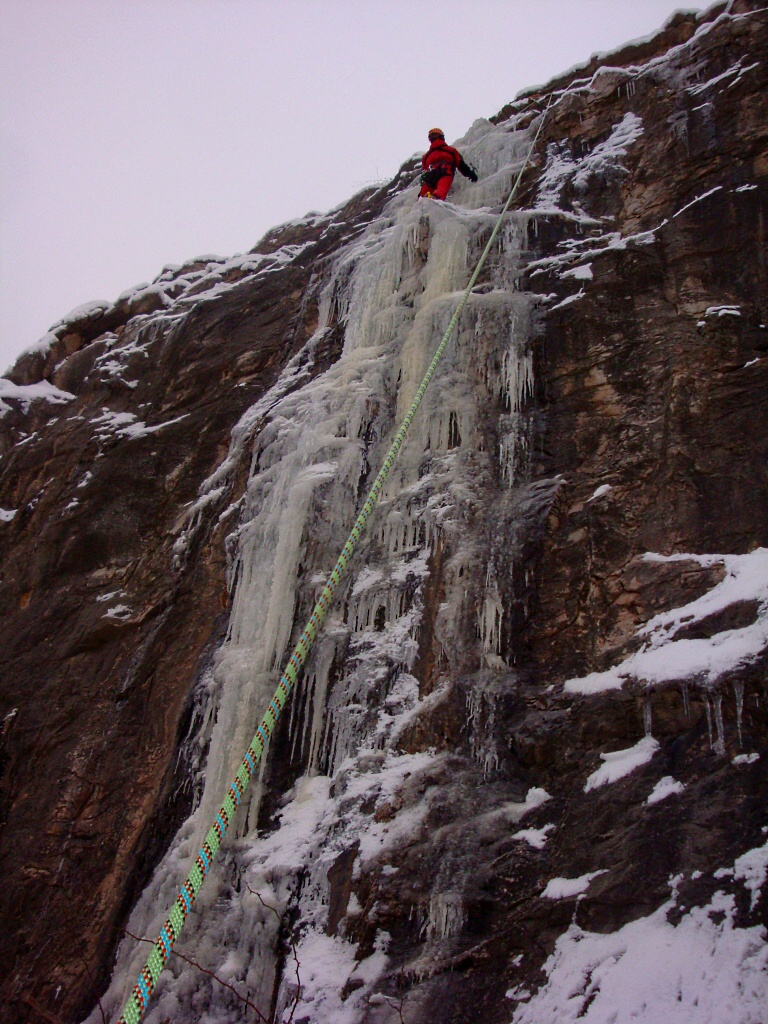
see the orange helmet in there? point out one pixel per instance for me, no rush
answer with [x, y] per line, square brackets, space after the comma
[436, 133]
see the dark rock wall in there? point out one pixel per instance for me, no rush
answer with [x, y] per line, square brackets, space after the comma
[638, 386]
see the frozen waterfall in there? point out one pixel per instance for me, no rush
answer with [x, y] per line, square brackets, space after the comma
[361, 791]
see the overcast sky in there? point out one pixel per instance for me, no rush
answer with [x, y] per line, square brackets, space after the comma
[135, 133]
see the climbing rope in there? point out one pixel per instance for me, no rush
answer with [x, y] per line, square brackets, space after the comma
[138, 1000]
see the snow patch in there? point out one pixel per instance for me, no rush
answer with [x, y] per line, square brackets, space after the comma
[752, 868]
[26, 394]
[723, 311]
[582, 273]
[698, 199]
[600, 492]
[534, 798]
[606, 157]
[664, 787]
[746, 758]
[125, 424]
[564, 888]
[664, 658]
[619, 763]
[121, 612]
[701, 971]
[535, 837]
[567, 301]
[573, 250]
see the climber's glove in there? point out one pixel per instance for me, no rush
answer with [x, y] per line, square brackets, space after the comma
[468, 170]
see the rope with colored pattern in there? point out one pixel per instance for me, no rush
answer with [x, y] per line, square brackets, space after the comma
[138, 1000]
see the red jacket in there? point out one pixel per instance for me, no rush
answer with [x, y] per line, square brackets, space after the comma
[441, 154]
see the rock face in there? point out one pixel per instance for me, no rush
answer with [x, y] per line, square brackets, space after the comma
[526, 767]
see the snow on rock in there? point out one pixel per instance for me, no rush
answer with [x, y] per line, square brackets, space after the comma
[581, 273]
[119, 612]
[619, 763]
[573, 250]
[112, 362]
[663, 658]
[722, 311]
[698, 199]
[25, 394]
[602, 490]
[746, 758]
[568, 300]
[605, 158]
[87, 311]
[174, 292]
[665, 787]
[752, 869]
[535, 837]
[534, 798]
[608, 155]
[735, 70]
[565, 888]
[125, 424]
[327, 964]
[6, 515]
[704, 970]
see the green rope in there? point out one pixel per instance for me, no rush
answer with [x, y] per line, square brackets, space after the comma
[138, 1001]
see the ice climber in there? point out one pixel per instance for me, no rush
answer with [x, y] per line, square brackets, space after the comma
[438, 166]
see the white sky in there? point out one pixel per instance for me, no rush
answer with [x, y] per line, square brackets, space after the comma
[135, 133]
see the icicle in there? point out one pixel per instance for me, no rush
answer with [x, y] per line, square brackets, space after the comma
[686, 702]
[296, 719]
[446, 916]
[720, 742]
[252, 801]
[490, 622]
[709, 718]
[647, 716]
[738, 689]
[323, 663]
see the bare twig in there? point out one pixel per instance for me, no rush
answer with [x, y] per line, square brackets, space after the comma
[398, 1006]
[204, 970]
[293, 949]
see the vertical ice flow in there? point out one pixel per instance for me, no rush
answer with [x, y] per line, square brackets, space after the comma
[316, 445]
